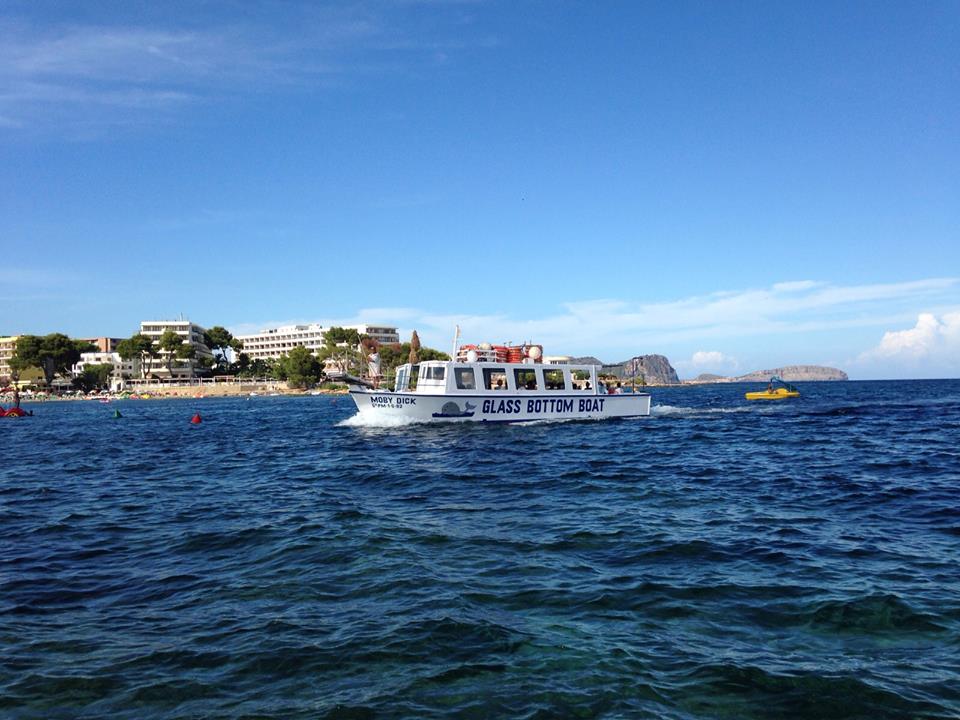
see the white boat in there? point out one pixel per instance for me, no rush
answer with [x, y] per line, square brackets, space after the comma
[473, 390]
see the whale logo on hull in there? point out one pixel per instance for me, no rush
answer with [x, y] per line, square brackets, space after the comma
[452, 410]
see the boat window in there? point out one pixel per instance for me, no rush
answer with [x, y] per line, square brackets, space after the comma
[580, 379]
[495, 378]
[553, 379]
[465, 378]
[525, 379]
[432, 372]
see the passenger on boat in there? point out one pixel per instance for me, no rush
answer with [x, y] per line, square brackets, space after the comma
[373, 367]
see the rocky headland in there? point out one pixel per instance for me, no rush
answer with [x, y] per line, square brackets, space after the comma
[657, 370]
[790, 373]
[651, 369]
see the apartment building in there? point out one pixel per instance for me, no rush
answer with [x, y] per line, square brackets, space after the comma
[7, 347]
[273, 342]
[131, 367]
[381, 333]
[191, 333]
[103, 344]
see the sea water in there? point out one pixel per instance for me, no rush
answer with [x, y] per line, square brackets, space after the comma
[798, 559]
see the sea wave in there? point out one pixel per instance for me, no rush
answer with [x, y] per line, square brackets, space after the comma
[287, 560]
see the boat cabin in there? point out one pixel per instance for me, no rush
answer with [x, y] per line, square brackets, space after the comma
[448, 377]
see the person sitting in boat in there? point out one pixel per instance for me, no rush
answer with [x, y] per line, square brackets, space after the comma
[770, 388]
[499, 384]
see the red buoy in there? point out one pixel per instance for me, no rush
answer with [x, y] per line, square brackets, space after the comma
[196, 419]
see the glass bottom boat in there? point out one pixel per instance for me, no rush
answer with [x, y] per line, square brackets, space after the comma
[491, 391]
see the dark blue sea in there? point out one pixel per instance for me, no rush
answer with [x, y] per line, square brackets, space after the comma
[719, 559]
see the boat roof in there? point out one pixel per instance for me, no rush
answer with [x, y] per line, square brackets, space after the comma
[493, 363]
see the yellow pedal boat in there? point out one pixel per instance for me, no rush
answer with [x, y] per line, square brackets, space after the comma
[778, 394]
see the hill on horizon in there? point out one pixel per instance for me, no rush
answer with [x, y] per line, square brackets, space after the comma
[789, 373]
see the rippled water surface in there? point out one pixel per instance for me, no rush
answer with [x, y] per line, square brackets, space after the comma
[718, 559]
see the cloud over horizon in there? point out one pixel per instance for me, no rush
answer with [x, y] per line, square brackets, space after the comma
[707, 361]
[931, 347]
[617, 329]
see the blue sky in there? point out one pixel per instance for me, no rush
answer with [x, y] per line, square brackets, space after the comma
[734, 185]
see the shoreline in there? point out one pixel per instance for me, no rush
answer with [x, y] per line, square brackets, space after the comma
[192, 393]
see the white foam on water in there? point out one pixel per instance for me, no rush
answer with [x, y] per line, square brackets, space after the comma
[667, 410]
[368, 420]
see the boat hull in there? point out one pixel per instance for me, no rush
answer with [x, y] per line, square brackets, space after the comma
[775, 395]
[498, 406]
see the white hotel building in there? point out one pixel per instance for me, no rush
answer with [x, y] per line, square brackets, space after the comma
[191, 333]
[271, 343]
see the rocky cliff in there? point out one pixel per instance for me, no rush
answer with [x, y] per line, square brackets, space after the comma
[654, 369]
[795, 373]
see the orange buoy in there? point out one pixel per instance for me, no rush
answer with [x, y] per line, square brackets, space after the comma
[196, 419]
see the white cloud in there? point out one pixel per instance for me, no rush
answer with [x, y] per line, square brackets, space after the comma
[711, 358]
[795, 285]
[616, 329]
[104, 75]
[33, 277]
[707, 361]
[622, 327]
[123, 72]
[935, 341]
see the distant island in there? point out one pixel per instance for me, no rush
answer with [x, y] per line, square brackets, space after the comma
[657, 370]
[790, 373]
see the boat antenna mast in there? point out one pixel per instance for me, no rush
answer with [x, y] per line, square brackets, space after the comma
[456, 343]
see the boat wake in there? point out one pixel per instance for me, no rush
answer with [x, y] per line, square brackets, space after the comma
[363, 420]
[672, 410]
